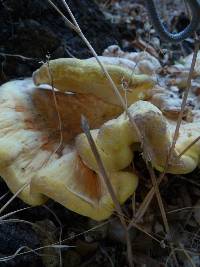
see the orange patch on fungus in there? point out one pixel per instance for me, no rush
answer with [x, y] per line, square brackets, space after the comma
[88, 181]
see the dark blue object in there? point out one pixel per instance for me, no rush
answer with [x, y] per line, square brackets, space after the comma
[163, 33]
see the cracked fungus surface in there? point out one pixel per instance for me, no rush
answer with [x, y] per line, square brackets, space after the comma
[29, 136]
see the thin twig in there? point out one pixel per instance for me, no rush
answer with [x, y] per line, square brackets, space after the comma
[60, 234]
[13, 212]
[86, 129]
[60, 127]
[184, 101]
[189, 146]
[53, 245]
[4, 195]
[143, 207]
[159, 199]
[78, 30]
[162, 209]
[188, 180]
[14, 196]
[69, 24]
[108, 256]
[18, 56]
[145, 204]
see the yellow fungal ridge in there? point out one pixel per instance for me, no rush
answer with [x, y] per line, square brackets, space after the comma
[84, 76]
[29, 136]
[115, 140]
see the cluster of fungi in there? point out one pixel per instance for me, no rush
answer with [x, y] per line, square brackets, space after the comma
[33, 157]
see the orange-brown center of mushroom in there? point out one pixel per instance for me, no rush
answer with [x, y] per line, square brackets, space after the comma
[42, 114]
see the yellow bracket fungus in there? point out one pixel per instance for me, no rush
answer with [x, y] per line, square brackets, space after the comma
[30, 149]
[86, 76]
[29, 136]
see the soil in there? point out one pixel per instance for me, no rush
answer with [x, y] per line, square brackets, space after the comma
[31, 30]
